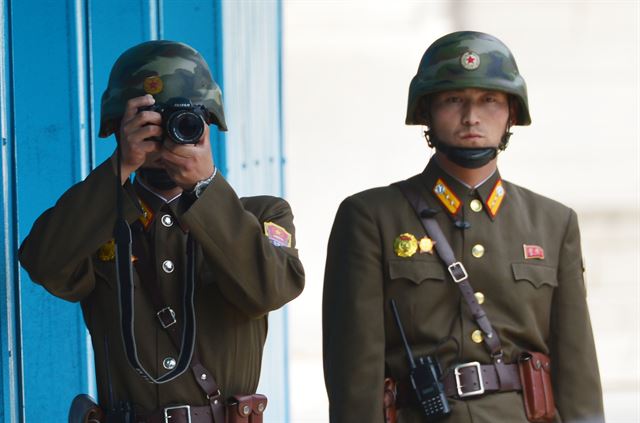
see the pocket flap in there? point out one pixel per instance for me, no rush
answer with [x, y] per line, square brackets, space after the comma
[536, 274]
[416, 271]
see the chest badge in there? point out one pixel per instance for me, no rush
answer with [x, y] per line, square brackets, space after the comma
[426, 245]
[107, 252]
[277, 235]
[405, 245]
[533, 252]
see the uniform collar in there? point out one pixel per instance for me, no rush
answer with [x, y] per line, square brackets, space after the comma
[452, 195]
[151, 203]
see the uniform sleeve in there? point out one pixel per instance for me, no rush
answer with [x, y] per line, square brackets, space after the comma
[57, 251]
[352, 314]
[252, 273]
[576, 379]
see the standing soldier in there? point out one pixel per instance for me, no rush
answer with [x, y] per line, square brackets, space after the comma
[486, 277]
[206, 267]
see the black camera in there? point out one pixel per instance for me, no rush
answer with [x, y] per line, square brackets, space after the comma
[182, 121]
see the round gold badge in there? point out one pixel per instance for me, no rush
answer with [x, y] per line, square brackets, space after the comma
[108, 251]
[405, 245]
[153, 85]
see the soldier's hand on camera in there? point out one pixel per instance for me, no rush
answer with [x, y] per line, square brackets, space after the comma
[135, 130]
[188, 163]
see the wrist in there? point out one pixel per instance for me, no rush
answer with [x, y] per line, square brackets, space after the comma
[200, 186]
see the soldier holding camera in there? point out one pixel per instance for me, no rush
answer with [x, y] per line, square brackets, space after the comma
[176, 296]
[455, 295]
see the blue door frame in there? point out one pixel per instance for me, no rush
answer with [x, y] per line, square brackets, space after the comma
[55, 58]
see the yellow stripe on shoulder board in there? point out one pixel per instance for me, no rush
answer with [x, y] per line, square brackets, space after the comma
[446, 196]
[495, 198]
[277, 235]
[147, 215]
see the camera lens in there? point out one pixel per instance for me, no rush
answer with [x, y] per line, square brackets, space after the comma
[185, 127]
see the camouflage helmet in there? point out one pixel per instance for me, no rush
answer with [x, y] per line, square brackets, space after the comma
[164, 69]
[467, 59]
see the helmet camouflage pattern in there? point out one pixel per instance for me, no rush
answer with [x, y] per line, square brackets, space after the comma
[164, 69]
[467, 59]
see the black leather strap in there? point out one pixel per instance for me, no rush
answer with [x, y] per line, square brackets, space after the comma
[146, 272]
[127, 312]
[456, 269]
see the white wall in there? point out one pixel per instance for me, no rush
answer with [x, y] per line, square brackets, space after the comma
[347, 70]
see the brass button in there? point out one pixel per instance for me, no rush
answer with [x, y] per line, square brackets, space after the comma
[476, 336]
[169, 363]
[167, 266]
[476, 205]
[477, 251]
[479, 297]
[261, 406]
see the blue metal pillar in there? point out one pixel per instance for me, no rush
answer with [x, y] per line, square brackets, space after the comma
[252, 76]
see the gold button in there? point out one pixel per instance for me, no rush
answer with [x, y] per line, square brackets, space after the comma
[476, 336]
[476, 205]
[479, 297]
[477, 251]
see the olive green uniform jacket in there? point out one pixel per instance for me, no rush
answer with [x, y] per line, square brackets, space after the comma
[533, 304]
[240, 277]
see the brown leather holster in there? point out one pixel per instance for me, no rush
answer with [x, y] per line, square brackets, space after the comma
[389, 400]
[85, 410]
[246, 408]
[537, 393]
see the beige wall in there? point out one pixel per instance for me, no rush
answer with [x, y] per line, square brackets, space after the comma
[347, 70]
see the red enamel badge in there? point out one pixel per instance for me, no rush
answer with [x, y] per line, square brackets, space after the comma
[533, 252]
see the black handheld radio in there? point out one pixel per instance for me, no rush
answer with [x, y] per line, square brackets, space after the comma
[425, 376]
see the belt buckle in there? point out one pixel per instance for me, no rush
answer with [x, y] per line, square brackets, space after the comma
[167, 317]
[457, 373]
[458, 272]
[177, 407]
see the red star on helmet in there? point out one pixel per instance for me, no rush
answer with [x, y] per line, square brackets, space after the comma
[471, 59]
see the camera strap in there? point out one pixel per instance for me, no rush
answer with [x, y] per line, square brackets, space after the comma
[124, 279]
[166, 317]
[456, 268]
